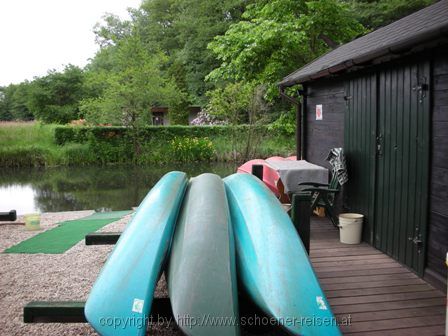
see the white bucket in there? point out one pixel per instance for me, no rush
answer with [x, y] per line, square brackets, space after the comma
[32, 222]
[350, 228]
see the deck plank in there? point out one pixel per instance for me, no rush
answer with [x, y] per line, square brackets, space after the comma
[371, 284]
[367, 278]
[438, 330]
[406, 322]
[357, 272]
[378, 306]
[377, 290]
[384, 297]
[349, 258]
[349, 266]
[342, 252]
[380, 296]
[398, 313]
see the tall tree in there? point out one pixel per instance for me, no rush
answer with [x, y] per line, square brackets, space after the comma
[182, 29]
[14, 102]
[135, 83]
[276, 37]
[376, 13]
[55, 97]
[5, 105]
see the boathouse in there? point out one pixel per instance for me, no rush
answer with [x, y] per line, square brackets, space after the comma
[384, 98]
[160, 115]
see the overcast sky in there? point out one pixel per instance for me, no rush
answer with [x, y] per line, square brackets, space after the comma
[38, 35]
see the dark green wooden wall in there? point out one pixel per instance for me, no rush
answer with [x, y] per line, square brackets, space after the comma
[386, 132]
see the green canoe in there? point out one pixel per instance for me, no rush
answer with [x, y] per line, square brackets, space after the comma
[201, 274]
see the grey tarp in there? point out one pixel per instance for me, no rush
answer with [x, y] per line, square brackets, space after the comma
[294, 172]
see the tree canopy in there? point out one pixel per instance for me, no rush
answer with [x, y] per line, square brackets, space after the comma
[211, 53]
[276, 37]
[127, 91]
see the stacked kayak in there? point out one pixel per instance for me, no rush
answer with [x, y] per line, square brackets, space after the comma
[210, 231]
[120, 300]
[201, 275]
[273, 266]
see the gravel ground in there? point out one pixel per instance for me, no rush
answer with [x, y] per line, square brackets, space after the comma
[46, 277]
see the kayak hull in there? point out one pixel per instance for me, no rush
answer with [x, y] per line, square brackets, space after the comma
[273, 266]
[120, 300]
[201, 274]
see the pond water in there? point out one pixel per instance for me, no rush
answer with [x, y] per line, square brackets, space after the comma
[102, 188]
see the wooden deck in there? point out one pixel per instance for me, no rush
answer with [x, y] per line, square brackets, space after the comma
[381, 296]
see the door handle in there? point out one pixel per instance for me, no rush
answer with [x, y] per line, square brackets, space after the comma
[417, 241]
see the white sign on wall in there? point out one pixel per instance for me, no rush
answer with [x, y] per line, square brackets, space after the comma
[319, 112]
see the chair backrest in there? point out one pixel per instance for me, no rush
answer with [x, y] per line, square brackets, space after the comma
[334, 183]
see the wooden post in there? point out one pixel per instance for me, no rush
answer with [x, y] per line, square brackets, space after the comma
[73, 311]
[300, 215]
[8, 216]
[102, 238]
[257, 170]
[299, 131]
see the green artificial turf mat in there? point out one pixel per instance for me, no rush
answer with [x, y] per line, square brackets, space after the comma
[107, 215]
[66, 234]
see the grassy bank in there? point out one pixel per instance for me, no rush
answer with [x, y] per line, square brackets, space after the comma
[33, 144]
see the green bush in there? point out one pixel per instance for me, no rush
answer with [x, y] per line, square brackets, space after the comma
[191, 149]
[74, 154]
[114, 151]
[65, 134]
[113, 144]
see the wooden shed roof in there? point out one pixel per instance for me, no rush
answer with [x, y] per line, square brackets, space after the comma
[399, 37]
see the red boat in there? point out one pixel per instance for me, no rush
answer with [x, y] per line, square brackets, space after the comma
[270, 176]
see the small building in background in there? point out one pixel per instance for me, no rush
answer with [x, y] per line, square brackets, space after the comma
[384, 98]
[160, 115]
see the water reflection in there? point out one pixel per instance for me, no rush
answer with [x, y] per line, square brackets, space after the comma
[81, 188]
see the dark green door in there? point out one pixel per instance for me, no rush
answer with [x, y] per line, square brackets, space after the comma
[360, 149]
[402, 158]
[387, 148]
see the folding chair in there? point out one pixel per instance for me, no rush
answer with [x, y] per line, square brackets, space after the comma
[323, 195]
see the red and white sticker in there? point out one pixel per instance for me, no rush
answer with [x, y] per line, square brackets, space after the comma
[319, 112]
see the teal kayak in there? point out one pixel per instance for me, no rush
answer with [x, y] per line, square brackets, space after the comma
[273, 266]
[202, 281]
[120, 300]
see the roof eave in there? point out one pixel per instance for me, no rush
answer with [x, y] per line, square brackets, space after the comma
[397, 49]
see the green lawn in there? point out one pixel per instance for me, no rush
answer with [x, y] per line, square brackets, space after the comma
[16, 134]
